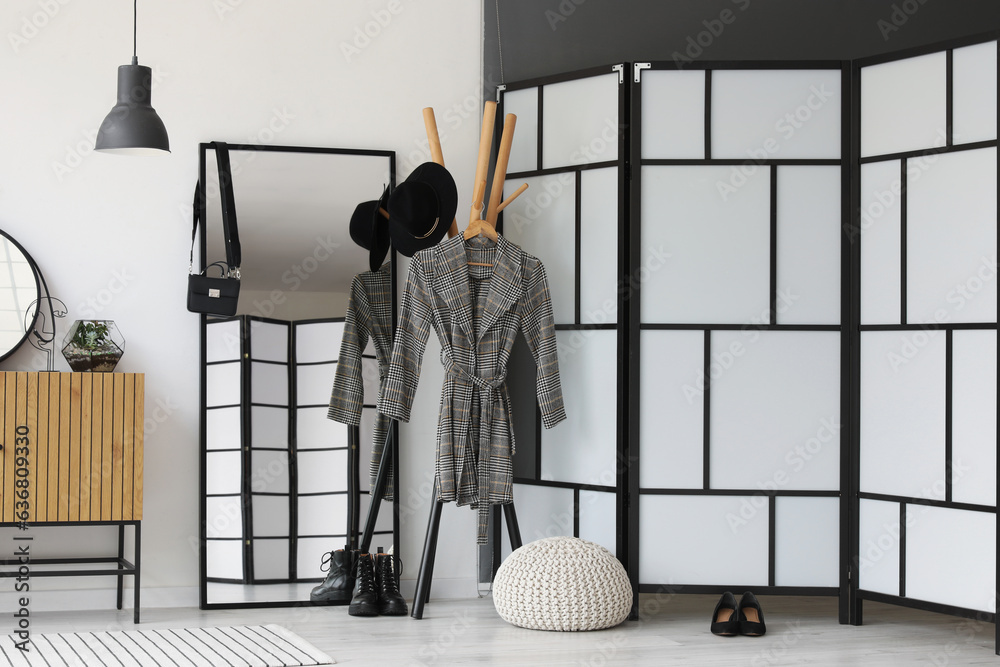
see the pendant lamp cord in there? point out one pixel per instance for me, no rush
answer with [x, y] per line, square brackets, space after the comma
[135, 30]
[499, 42]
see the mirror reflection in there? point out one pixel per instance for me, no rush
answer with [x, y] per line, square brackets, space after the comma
[19, 295]
[281, 458]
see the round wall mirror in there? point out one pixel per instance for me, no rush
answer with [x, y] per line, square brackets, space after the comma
[19, 294]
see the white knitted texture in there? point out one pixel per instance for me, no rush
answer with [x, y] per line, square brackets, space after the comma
[562, 583]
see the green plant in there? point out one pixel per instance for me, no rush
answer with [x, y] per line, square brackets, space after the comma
[90, 335]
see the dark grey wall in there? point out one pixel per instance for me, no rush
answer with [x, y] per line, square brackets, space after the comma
[542, 37]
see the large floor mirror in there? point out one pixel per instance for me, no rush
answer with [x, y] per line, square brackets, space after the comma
[281, 483]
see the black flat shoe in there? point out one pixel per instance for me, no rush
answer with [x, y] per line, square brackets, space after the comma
[725, 618]
[751, 616]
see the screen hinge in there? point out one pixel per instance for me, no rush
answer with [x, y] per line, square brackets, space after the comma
[621, 72]
[637, 70]
[502, 87]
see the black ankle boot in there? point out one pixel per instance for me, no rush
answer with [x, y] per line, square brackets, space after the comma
[339, 583]
[365, 600]
[390, 602]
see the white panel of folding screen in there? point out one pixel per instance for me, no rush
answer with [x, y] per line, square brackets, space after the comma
[879, 533]
[973, 413]
[673, 111]
[569, 219]
[951, 229]
[779, 114]
[706, 252]
[580, 121]
[599, 217]
[321, 449]
[739, 366]
[524, 151]
[928, 216]
[974, 94]
[598, 518]
[270, 457]
[223, 558]
[903, 105]
[808, 235]
[903, 413]
[541, 225]
[775, 413]
[582, 450]
[672, 457]
[224, 511]
[269, 426]
[812, 560]
[951, 557]
[694, 539]
[881, 255]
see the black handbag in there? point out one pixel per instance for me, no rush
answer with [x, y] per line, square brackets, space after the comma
[217, 295]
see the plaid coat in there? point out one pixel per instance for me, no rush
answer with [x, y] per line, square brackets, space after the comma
[369, 314]
[476, 312]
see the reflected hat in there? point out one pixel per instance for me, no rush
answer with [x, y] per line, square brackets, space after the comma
[421, 208]
[370, 230]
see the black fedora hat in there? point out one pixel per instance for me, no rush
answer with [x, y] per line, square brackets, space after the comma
[421, 208]
[370, 230]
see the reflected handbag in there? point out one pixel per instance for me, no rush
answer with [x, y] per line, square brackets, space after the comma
[217, 295]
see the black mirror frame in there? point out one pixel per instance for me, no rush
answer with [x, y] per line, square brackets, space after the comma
[38, 291]
[200, 263]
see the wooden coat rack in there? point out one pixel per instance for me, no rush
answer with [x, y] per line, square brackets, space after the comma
[486, 226]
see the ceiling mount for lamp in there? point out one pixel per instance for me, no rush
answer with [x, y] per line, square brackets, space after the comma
[132, 127]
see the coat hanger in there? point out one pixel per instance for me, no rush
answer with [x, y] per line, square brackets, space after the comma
[478, 226]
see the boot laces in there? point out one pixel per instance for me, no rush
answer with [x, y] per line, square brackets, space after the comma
[365, 582]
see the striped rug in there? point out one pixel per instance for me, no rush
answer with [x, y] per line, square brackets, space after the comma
[235, 646]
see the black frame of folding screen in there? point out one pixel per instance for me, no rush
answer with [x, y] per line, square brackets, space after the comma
[621, 446]
[353, 431]
[635, 327]
[858, 595]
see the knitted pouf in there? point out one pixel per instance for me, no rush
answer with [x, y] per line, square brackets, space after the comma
[562, 583]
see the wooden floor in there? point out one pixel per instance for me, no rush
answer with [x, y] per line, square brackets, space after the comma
[672, 631]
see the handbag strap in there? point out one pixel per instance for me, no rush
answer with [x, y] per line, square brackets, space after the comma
[230, 230]
[195, 217]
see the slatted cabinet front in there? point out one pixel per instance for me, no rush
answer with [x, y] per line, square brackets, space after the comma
[72, 447]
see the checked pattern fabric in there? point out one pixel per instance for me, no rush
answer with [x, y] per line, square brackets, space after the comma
[369, 315]
[476, 312]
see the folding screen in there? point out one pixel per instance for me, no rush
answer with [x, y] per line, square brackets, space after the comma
[569, 147]
[924, 236]
[736, 334]
[806, 320]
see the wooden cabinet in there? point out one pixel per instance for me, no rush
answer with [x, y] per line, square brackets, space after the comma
[82, 434]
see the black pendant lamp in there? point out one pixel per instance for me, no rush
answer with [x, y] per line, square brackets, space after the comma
[132, 127]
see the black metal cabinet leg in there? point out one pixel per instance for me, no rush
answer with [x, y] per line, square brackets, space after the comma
[427, 562]
[121, 558]
[138, 571]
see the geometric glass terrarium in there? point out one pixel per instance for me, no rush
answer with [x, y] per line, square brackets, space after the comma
[93, 345]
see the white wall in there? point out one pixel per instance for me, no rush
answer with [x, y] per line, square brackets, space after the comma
[111, 233]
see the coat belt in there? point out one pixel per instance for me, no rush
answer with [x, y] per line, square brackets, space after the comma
[491, 391]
